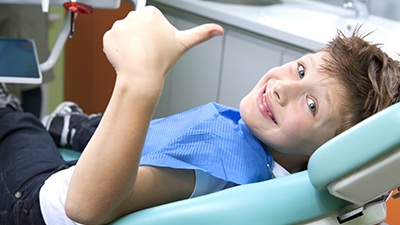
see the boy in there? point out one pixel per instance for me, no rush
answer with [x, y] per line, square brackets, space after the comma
[291, 111]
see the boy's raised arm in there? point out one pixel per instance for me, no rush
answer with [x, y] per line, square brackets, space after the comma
[142, 48]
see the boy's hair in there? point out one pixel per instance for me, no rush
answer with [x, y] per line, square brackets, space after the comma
[371, 79]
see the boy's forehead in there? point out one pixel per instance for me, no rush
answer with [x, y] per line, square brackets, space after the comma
[316, 58]
[316, 62]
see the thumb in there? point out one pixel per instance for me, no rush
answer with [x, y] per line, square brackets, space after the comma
[194, 36]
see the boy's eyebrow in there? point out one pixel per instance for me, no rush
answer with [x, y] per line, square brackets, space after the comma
[328, 99]
[327, 107]
[326, 96]
[311, 59]
[308, 57]
[313, 65]
[325, 102]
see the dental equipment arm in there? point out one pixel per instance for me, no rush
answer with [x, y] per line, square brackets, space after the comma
[45, 6]
[58, 46]
[139, 4]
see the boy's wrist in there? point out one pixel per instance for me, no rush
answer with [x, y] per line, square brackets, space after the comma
[145, 86]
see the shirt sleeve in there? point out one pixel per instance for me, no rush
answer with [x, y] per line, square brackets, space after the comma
[206, 184]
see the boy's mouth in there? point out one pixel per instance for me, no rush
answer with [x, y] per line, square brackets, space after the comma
[266, 107]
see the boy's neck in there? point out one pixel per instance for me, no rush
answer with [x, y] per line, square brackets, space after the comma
[292, 163]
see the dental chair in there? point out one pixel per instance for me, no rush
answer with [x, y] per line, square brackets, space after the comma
[347, 182]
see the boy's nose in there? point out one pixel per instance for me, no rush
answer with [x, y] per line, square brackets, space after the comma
[286, 90]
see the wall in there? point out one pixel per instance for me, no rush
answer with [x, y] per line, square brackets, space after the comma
[56, 87]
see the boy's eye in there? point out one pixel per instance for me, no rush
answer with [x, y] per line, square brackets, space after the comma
[311, 104]
[301, 71]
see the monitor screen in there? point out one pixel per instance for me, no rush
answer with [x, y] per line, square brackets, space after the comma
[19, 61]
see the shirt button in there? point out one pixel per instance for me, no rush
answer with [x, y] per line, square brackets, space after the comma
[18, 194]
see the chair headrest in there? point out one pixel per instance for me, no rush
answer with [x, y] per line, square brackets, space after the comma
[366, 141]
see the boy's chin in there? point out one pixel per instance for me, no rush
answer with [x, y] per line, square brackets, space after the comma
[245, 104]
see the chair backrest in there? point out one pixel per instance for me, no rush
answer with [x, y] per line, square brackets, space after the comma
[361, 164]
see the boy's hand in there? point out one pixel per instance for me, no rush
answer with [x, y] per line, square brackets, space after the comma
[145, 45]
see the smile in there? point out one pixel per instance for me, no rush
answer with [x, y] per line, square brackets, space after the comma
[265, 106]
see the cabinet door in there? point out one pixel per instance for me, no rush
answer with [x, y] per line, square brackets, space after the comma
[194, 79]
[246, 60]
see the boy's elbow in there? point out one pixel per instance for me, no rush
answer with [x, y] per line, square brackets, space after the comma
[72, 212]
[77, 212]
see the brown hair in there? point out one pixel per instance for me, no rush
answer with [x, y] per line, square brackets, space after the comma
[371, 79]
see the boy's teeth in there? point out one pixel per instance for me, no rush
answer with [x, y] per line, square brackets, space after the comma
[264, 98]
[265, 103]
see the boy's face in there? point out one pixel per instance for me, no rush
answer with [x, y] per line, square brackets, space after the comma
[294, 108]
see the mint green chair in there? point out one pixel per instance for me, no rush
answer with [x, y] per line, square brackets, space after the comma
[347, 182]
